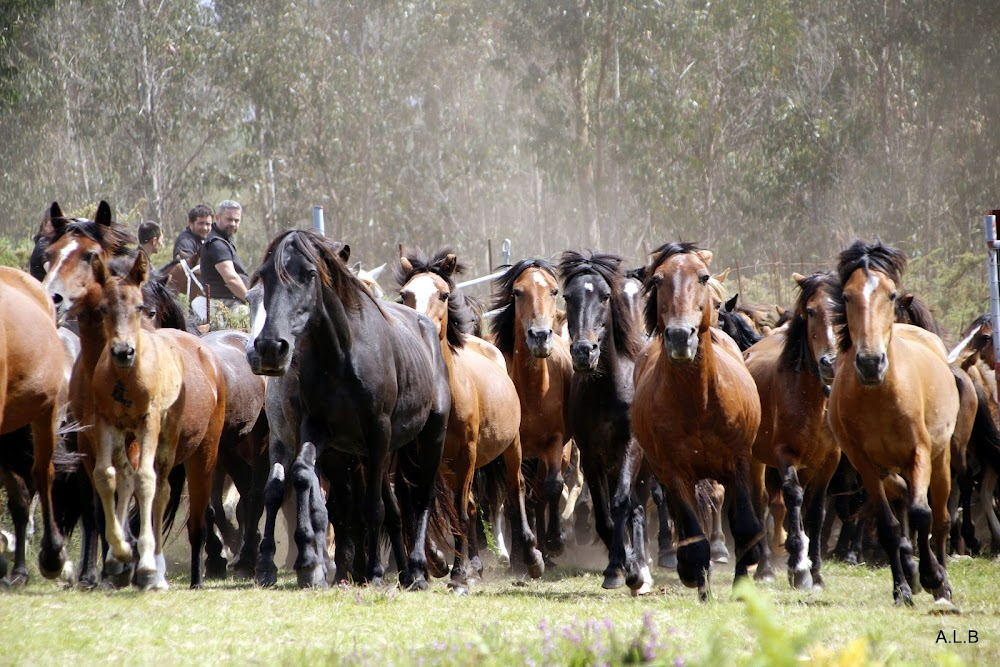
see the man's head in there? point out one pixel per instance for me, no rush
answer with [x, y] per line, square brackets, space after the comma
[200, 221]
[229, 218]
[150, 237]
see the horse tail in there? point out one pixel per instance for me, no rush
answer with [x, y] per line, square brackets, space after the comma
[985, 438]
[489, 487]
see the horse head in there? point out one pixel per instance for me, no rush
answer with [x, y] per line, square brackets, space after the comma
[428, 286]
[597, 309]
[869, 278]
[527, 294]
[122, 307]
[299, 269]
[680, 300]
[811, 336]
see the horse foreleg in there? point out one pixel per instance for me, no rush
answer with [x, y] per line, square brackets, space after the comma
[106, 484]
[986, 494]
[667, 556]
[310, 563]
[215, 561]
[393, 523]
[717, 538]
[243, 565]
[815, 517]
[637, 563]
[518, 512]
[464, 467]
[18, 497]
[552, 492]
[274, 494]
[934, 520]
[605, 521]
[427, 460]
[748, 532]
[889, 530]
[763, 503]
[52, 555]
[694, 561]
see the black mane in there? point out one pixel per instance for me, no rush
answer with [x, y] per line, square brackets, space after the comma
[607, 267]
[461, 315]
[660, 255]
[868, 257]
[322, 253]
[739, 328]
[795, 351]
[502, 325]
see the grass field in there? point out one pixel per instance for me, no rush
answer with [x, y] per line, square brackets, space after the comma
[566, 618]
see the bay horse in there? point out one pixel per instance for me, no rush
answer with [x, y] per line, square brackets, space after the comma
[183, 276]
[893, 406]
[603, 347]
[793, 369]
[485, 410]
[371, 380]
[695, 411]
[538, 362]
[32, 394]
[168, 389]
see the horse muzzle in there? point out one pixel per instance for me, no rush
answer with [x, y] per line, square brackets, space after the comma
[539, 341]
[681, 343]
[826, 364]
[871, 368]
[585, 355]
[269, 356]
[123, 355]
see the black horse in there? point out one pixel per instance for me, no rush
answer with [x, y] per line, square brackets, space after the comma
[370, 381]
[603, 348]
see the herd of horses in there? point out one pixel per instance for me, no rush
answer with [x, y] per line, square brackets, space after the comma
[401, 422]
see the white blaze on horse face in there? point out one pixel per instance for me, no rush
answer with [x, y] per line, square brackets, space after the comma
[957, 350]
[589, 286]
[63, 256]
[631, 289]
[539, 279]
[258, 318]
[870, 286]
[423, 289]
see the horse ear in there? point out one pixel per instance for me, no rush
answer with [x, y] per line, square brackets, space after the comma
[731, 304]
[57, 217]
[101, 274]
[345, 253]
[706, 256]
[449, 263]
[103, 216]
[906, 300]
[799, 278]
[376, 272]
[721, 277]
[405, 264]
[55, 211]
[140, 269]
[781, 311]
[356, 268]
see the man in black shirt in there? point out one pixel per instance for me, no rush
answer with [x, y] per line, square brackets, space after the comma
[189, 241]
[221, 269]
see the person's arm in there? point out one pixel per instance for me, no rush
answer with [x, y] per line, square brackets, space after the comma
[232, 279]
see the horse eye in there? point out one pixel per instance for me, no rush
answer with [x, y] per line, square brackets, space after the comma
[518, 293]
[657, 279]
[555, 291]
[810, 312]
[893, 296]
[444, 296]
[703, 278]
[605, 298]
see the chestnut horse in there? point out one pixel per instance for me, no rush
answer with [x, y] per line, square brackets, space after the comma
[696, 409]
[538, 362]
[32, 393]
[370, 380]
[893, 407]
[603, 347]
[485, 410]
[168, 389]
[793, 368]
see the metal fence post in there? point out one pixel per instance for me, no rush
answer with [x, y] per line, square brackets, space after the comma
[318, 223]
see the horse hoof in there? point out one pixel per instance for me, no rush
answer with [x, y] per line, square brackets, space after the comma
[942, 593]
[903, 596]
[800, 579]
[476, 566]
[146, 580]
[267, 578]
[703, 594]
[667, 559]
[613, 580]
[536, 564]
[50, 564]
[764, 575]
[311, 577]
[118, 575]
[242, 571]
[555, 546]
[851, 559]
[215, 568]
[15, 580]
[457, 588]
[87, 583]
[418, 583]
[720, 554]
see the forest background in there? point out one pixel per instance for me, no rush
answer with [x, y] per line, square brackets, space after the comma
[773, 132]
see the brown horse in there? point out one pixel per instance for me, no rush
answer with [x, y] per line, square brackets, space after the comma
[32, 393]
[168, 389]
[485, 410]
[793, 369]
[696, 409]
[893, 407]
[183, 276]
[538, 362]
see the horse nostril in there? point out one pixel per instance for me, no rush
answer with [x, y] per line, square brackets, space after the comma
[57, 298]
[282, 347]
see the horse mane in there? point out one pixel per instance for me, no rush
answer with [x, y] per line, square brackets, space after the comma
[502, 325]
[911, 309]
[795, 350]
[608, 267]
[660, 255]
[867, 257]
[461, 318]
[739, 328]
[321, 252]
[116, 238]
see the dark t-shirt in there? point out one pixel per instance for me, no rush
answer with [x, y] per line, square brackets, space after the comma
[219, 249]
[187, 244]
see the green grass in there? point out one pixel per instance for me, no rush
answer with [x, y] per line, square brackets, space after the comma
[566, 618]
